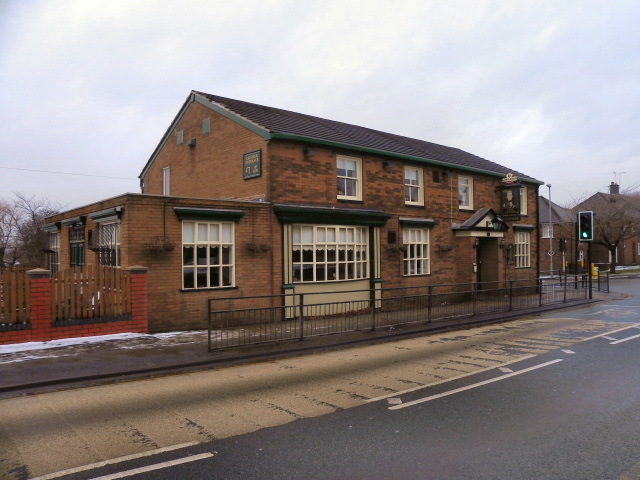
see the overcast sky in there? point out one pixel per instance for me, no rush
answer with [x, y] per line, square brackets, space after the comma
[548, 88]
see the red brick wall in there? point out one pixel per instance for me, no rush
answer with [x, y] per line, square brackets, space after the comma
[312, 180]
[170, 307]
[209, 175]
[41, 328]
[213, 168]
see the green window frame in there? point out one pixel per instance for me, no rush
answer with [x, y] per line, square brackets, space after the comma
[76, 246]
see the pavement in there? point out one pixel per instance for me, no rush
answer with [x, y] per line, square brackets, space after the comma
[44, 366]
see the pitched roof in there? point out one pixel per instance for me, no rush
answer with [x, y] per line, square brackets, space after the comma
[274, 123]
[558, 214]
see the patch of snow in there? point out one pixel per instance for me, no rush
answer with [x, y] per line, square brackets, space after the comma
[172, 337]
[627, 267]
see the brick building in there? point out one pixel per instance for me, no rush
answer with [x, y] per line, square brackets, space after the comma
[616, 223]
[558, 234]
[242, 200]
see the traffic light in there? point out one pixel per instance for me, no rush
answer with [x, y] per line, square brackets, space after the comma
[585, 226]
[561, 244]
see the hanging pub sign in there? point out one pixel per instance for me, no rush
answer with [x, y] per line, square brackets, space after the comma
[510, 201]
[510, 198]
[252, 164]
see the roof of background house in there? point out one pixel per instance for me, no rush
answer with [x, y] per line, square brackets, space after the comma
[275, 123]
[558, 214]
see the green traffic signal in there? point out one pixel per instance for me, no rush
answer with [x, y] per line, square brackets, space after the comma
[585, 226]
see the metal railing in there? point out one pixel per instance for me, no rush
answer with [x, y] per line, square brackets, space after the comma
[237, 322]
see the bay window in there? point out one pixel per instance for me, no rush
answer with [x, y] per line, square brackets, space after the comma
[323, 253]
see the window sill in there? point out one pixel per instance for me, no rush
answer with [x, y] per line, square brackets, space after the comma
[210, 289]
[329, 282]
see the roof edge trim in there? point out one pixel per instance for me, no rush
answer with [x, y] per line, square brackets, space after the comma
[167, 135]
[329, 215]
[254, 127]
[195, 97]
[190, 213]
[419, 222]
[300, 138]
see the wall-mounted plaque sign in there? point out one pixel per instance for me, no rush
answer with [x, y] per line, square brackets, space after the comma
[510, 201]
[252, 164]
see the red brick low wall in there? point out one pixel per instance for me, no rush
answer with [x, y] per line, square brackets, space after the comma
[42, 329]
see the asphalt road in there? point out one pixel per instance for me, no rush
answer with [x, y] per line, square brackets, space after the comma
[348, 414]
[566, 414]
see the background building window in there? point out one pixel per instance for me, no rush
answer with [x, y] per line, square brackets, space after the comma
[76, 246]
[547, 230]
[207, 255]
[53, 252]
[349, 170]
[416, 257]
[523, 200]
[465, 192]
[413, 194]
[329, 253]
[108, 242]
[166, 181]
[523, 249]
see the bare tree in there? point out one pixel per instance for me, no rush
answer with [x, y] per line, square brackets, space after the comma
[7, 234]
[616, 218]
[22, 229]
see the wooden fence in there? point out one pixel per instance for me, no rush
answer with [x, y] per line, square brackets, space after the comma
[14, 298]
[90, 292]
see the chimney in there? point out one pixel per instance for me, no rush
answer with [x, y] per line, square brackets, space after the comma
[614, 188]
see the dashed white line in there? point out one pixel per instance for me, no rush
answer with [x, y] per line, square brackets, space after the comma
[606, 334]
[624, 340]
[475, 385]
[112, 461]
[468, 374]
[157, 466]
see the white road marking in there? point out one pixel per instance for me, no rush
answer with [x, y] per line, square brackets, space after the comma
[475, 385]
[505, 369]
[624, 339]
[602, 335]
[569, 352]
[609, 338]
[112, 461]
[157, 466]
[468, 374]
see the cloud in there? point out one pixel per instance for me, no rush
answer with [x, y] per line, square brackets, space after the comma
[546, 88]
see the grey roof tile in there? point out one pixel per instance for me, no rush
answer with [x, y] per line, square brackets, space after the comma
[278, 121]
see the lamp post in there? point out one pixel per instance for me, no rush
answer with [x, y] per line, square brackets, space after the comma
[550, 234]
